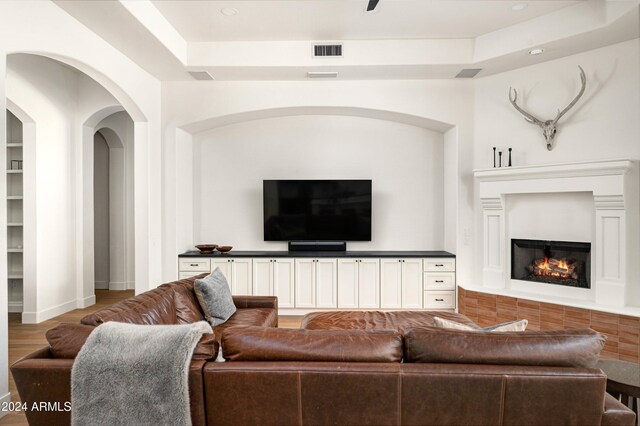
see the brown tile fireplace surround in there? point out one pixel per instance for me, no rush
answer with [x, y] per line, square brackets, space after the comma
[623, 332]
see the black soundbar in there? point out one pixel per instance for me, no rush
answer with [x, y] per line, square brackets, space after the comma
[317, 246]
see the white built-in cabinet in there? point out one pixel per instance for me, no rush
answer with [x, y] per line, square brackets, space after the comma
[239, 273]
[358, 283]
[316, 283]
[337, 283]
[401, 283]
[275, 277]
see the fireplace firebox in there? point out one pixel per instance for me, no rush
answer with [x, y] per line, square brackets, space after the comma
[553, 262]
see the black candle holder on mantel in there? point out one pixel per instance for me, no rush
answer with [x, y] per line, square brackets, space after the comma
[498, 163]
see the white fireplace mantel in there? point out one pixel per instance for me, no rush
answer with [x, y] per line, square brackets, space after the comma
[615, 197]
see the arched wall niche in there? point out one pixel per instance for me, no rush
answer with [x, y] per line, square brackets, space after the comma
[180, 233]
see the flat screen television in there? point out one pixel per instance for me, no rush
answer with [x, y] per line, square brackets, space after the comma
[317, 210]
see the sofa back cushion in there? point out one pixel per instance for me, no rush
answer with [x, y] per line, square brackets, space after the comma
[280, 344]
[187, 307]
[66, 340]
[559, 348]
[155, 306]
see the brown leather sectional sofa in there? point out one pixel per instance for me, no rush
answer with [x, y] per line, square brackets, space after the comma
[350, 368]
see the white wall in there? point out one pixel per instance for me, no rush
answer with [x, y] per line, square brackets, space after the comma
[603, 125]
[404, 162]
[101, 209]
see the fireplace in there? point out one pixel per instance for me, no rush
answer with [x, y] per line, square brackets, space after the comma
[553, 262]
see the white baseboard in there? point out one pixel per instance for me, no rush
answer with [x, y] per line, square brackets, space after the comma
[131, 285]
[117, 285]
[14, 307]
[86, 302]
[101, 285]
[38, 317]
[4, 400]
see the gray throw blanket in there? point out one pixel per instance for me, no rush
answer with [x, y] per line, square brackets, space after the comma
[128, 374]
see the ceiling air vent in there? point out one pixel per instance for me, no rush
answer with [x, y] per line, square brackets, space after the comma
[468, 72]
[322, 74]
[327, 50]
[201, 75]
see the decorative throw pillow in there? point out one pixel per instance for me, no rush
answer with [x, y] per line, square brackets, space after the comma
[214, 295]
[520, 325]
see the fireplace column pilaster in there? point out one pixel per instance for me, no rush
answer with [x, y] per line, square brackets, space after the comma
[610, 250]
[494, 232]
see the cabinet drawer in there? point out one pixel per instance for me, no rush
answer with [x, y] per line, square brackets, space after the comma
[184, 275]
[440, 281]
[439, 299]
[440, 264]
[195, 265]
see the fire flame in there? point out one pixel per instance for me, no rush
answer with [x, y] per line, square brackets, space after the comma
[545, 269]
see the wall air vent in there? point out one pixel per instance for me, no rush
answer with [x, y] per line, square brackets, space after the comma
[327, 50]
[322, 74]
[468, 72]
[201, 75]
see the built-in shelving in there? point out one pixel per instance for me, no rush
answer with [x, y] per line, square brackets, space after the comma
[14, 213]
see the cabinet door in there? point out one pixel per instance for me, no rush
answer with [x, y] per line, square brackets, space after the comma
[305, 273]
[327, 283]
[225, 268]
[369, 283]
[348, 283]
[412, 283]
[263, 277]
[390, 283]
[283, 280]
[241, 281]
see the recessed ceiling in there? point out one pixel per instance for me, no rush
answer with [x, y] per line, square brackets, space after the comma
[262, 20]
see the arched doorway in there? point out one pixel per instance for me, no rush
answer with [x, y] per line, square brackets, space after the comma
[113, 190]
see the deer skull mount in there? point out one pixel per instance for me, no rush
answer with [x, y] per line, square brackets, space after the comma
[549, 127]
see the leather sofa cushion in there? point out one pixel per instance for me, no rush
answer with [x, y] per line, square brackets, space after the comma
[155, 306]
[66, 340]
[263, 317]
[375, 320]
[557, 348]
[187, 307]
[281, 344]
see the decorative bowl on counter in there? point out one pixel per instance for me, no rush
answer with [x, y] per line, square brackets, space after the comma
[206, 248]
[224, 249]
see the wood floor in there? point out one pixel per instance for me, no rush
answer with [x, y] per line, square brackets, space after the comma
[27, 338]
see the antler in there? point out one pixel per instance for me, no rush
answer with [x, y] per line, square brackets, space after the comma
[529, 117]
[583, 79]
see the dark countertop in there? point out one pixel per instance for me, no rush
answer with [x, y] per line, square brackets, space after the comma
[339, 254]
